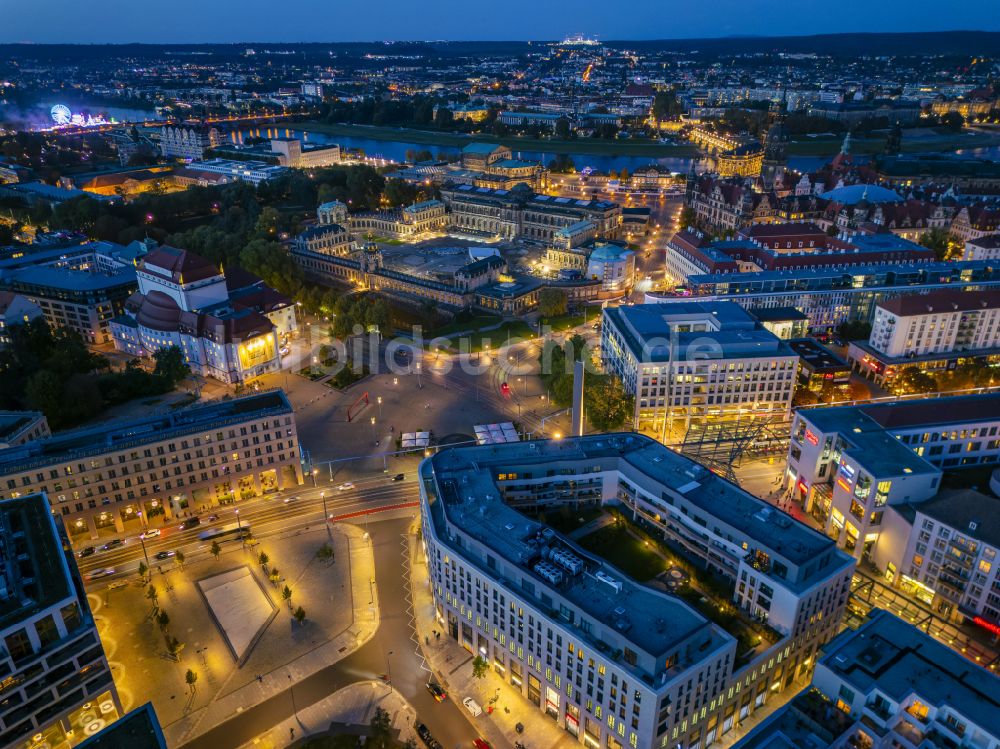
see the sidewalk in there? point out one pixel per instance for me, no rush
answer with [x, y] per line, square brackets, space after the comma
[364, 625]
[452, 667]
[346, 711]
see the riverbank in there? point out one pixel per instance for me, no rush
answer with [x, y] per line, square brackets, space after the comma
[867, 146]
[457, 141]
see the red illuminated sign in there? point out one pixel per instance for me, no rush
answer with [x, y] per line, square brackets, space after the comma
[811, 438]
[843, 485]
[989, 626]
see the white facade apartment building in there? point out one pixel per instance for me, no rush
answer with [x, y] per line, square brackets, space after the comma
[940, 322]
[57, 685]
[982, 248]
[612, 661]
[188, 142]
[100, 478]
[696, 360]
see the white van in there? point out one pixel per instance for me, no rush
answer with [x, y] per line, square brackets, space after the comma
[473, 707]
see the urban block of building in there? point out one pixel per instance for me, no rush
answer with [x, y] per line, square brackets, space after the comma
[688, 360]
[120, 476]
[613, 661]
[887, 685]
[931, 332]
[58, 685]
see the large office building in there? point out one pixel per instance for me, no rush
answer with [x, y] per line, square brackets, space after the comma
[57, 685]
[228, 331]
[930, 331]
[887, 685]
[689, 360]
[830, 296]
[846, 464]
[519, 213]
[99, 479]
[614, 661]
[252, 172]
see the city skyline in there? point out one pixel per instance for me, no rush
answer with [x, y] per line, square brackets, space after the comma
[67, 22]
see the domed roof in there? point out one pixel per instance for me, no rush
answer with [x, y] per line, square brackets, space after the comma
[854, 194]
[609, 252]
[158, 312]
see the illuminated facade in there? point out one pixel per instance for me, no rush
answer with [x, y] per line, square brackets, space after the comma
[57, 685]
[613, 661]
[118, 477]
[185, 301]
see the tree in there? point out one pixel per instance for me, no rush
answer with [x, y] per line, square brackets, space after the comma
[399, 192]
[174, 646]
[191, 678]
[609, 407]
[143, 569]
[914, 380]
[216, 550]
[480, 667]
[381, 725]
[854, 330]
[170, 365]
[274, 576]
[179, 559]
[552, 301]
[952, 121]
[688, 217]
[286, 595]
[300, 615]
[938, 240]
[163, 620]
[263, 559]
[443, 117]
[562, 128]
[152, 595]
[666, 106]
[562, 164]
[325, 553]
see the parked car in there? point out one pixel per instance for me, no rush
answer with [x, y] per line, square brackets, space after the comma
[481, 744]
[191, 523]
[150, 533]
[113, 544]
[286, 500]
[473, 707]
[436, 691]
[398, 477]
[425, 735]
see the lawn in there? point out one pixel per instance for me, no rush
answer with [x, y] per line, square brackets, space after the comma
[478, 341]
[475, 323]
[566, 322]
[637, 147]
[615, 544]
[567, 519]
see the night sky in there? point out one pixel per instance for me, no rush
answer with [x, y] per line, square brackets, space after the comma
[117, 21]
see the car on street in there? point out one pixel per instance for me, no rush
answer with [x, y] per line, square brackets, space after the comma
[398, 477]
[112, 544]
[286, 500]
[436, 691]
[150, 533]
[345, 486]
[505, 389]
[88, 551]
[481, 744]
[191, 523]
[425, 735]
[473, 707]
[104, 572]
[212, 518]
[161, 555]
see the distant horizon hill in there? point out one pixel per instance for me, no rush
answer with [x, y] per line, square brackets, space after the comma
[850, 44]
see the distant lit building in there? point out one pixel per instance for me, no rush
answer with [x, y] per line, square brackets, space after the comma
[190, 143]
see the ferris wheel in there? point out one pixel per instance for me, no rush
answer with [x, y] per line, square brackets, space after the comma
[61, 114]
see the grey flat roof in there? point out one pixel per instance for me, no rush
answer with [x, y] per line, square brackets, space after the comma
[899, 660]
[73, 280]
[119, 435]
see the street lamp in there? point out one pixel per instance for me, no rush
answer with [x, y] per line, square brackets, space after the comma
[374, 438]
[314, 472]
[326, 516]
[142, 540]
[239, 529]
[379, 399]
[388, 670]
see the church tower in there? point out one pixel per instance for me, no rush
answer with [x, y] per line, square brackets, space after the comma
[776, 145]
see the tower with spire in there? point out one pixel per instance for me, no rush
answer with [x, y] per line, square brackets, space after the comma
[776, 144]
[894, 143]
